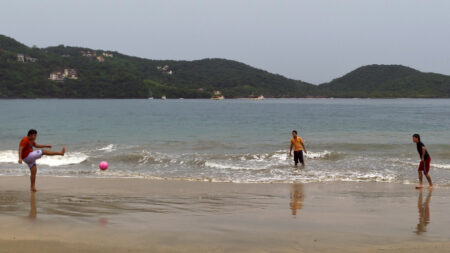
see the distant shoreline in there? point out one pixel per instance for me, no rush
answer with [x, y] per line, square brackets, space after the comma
[75, 72]
[267, 98]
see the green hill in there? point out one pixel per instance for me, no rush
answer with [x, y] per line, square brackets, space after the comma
[122, 76]
[105, 74]
[386, 81]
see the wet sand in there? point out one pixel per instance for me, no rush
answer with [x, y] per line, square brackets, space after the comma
[134, 215]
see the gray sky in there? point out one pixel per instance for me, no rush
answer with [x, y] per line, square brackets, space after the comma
[314, 41]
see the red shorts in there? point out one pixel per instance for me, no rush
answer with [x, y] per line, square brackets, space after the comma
[425, 166]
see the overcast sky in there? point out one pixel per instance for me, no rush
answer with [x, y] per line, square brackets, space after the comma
[314, 41]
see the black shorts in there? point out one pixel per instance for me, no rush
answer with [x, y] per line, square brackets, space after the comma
[298, 156]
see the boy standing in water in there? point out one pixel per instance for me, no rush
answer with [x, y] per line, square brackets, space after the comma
[297, 144]
[29, 156]
[425, 160]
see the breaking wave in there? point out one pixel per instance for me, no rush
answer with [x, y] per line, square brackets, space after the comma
[70, 158]
[264, 167]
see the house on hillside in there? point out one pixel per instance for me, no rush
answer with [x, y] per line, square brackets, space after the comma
[88, 53]
[61, 76]
[23, 58]
[70, 74]
[30, 59]
[107, 54]
[165, 69]
[100, 59]
[56, 76]
[20, 58]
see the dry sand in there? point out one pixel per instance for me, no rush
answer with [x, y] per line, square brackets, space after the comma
[134, 215]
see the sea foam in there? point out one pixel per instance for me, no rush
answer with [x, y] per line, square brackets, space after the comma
[11, 156]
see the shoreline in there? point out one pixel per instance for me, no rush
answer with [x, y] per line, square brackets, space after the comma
[238, 98]
[141, 215]
[411, 184]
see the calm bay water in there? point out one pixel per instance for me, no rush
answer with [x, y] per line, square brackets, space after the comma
[231, 140]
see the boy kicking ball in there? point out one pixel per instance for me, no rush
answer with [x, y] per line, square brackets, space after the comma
[29, 156]
[425, 159]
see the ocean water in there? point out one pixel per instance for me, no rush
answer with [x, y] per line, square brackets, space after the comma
[238, 141]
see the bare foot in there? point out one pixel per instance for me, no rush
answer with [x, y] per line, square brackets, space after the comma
[419, 186]
[430, 187]
[63, 151]
[33, 189]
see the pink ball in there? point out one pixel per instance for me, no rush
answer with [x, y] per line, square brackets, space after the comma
[103, 165]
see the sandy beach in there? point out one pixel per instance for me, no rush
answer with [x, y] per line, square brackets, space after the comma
[134, 215]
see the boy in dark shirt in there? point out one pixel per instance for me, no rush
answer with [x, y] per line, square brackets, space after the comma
[425, 160]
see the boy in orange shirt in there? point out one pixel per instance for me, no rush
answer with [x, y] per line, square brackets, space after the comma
[298, 145]
[29, 156]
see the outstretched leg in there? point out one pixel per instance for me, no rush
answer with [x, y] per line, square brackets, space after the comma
[33, 171]
[49, 152]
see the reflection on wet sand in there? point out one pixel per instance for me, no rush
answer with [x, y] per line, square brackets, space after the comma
[296, 198]
[424, 213]
[33, 212]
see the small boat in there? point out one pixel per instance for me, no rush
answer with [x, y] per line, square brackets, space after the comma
[217, 96]
[163, 97]
[261, 97]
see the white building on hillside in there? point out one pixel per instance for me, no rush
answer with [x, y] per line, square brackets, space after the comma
[61, 76]
[56, 76]
[30, 59]
[70, 74]
[20, 58]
